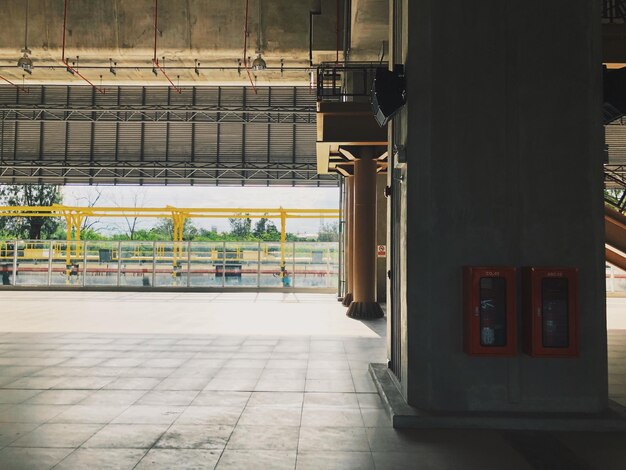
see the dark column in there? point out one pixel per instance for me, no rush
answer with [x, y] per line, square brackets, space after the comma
[364, 305]
[347, 299]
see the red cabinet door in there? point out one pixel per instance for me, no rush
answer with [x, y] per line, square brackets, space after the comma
[490, 320]
[550, 311]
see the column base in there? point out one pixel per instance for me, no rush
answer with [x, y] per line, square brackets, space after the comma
[347, 300]
[365, 310]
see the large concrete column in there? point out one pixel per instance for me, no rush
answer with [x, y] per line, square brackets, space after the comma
[348, 240]
[503, 138]
[364, 303]
[381, 237]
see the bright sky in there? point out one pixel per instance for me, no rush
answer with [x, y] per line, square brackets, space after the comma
[203, 196]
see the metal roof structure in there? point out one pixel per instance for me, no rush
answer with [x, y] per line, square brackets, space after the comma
[217, 135]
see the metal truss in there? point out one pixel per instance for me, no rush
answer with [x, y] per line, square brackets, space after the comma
[265, 114]
[292, 174]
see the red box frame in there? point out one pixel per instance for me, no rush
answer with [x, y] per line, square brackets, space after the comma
[532, 303]
[471, 319]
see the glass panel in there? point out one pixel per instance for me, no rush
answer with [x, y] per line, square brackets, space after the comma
[136, 263]
[316, 265]
[241, 264]
[67, 263]
[205, 256]
[554, 318]
[492, 311]
[7, 251]
[102, 263]
[270, 265]
[171, 264]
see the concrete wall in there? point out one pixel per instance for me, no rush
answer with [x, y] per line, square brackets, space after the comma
[504, 140]
[381, 238]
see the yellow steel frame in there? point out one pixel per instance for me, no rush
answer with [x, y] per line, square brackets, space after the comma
[74, 217]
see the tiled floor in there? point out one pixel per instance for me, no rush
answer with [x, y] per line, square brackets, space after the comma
[296, 397]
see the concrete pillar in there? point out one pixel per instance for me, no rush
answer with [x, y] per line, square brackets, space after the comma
[349, 245]
[364, 305]
[381, 237]
[503, 138]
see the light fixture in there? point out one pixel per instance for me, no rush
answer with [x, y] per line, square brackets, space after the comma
[25, 62]
[259, 63]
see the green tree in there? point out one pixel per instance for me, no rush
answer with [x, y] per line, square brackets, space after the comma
[266, 230]
[240, 228]
[165, 230]
[33, 228]
[328, 232]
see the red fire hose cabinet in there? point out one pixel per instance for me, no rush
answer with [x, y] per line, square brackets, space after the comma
[490, 320]
[550, 311]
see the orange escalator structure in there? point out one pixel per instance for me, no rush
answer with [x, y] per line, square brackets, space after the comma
[615, 229]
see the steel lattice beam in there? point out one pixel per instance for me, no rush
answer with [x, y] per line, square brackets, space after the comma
[304, 115]
[156, 173]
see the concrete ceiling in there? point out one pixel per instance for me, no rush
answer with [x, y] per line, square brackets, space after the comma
[369, 29]
[210, 31]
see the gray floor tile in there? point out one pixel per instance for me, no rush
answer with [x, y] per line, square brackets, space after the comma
[15, 396]
[101, 459]
[133, 383]
[276, 399]
[261, 459]
[168, 397]
[130, 436]
[333, 439]
[59, 397]
[9, 432]
[335, 461]
[266, 416]
[57, 435]
[31, 413]
[149, 414]
[204, 436]
[210, 415]
[264, 438]
[113, 397]
[331, 400]
[222, 398]
[329, 385]
[332, 417]
[16, 458]
[188, 459]
[89, 414]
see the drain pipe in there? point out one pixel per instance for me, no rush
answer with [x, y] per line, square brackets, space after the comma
[155, 60]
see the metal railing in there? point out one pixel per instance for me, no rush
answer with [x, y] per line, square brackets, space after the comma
[147, 264]
[349, 81]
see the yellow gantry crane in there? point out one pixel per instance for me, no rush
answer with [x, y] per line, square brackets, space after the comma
[75, 216]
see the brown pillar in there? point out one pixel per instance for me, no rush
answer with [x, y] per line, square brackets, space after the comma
[364, 305]
[347, 299]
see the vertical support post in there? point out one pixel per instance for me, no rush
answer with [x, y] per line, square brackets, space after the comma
[258, 267]
[364, 305]
[188, 263]
[154, 264]
[283, 241]
[14, 280]
[293, 265]
[68, 243]
[119, 263]
[50, 248]
[349, 236]
[223, 264]
[84, 261]
[342, 189]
